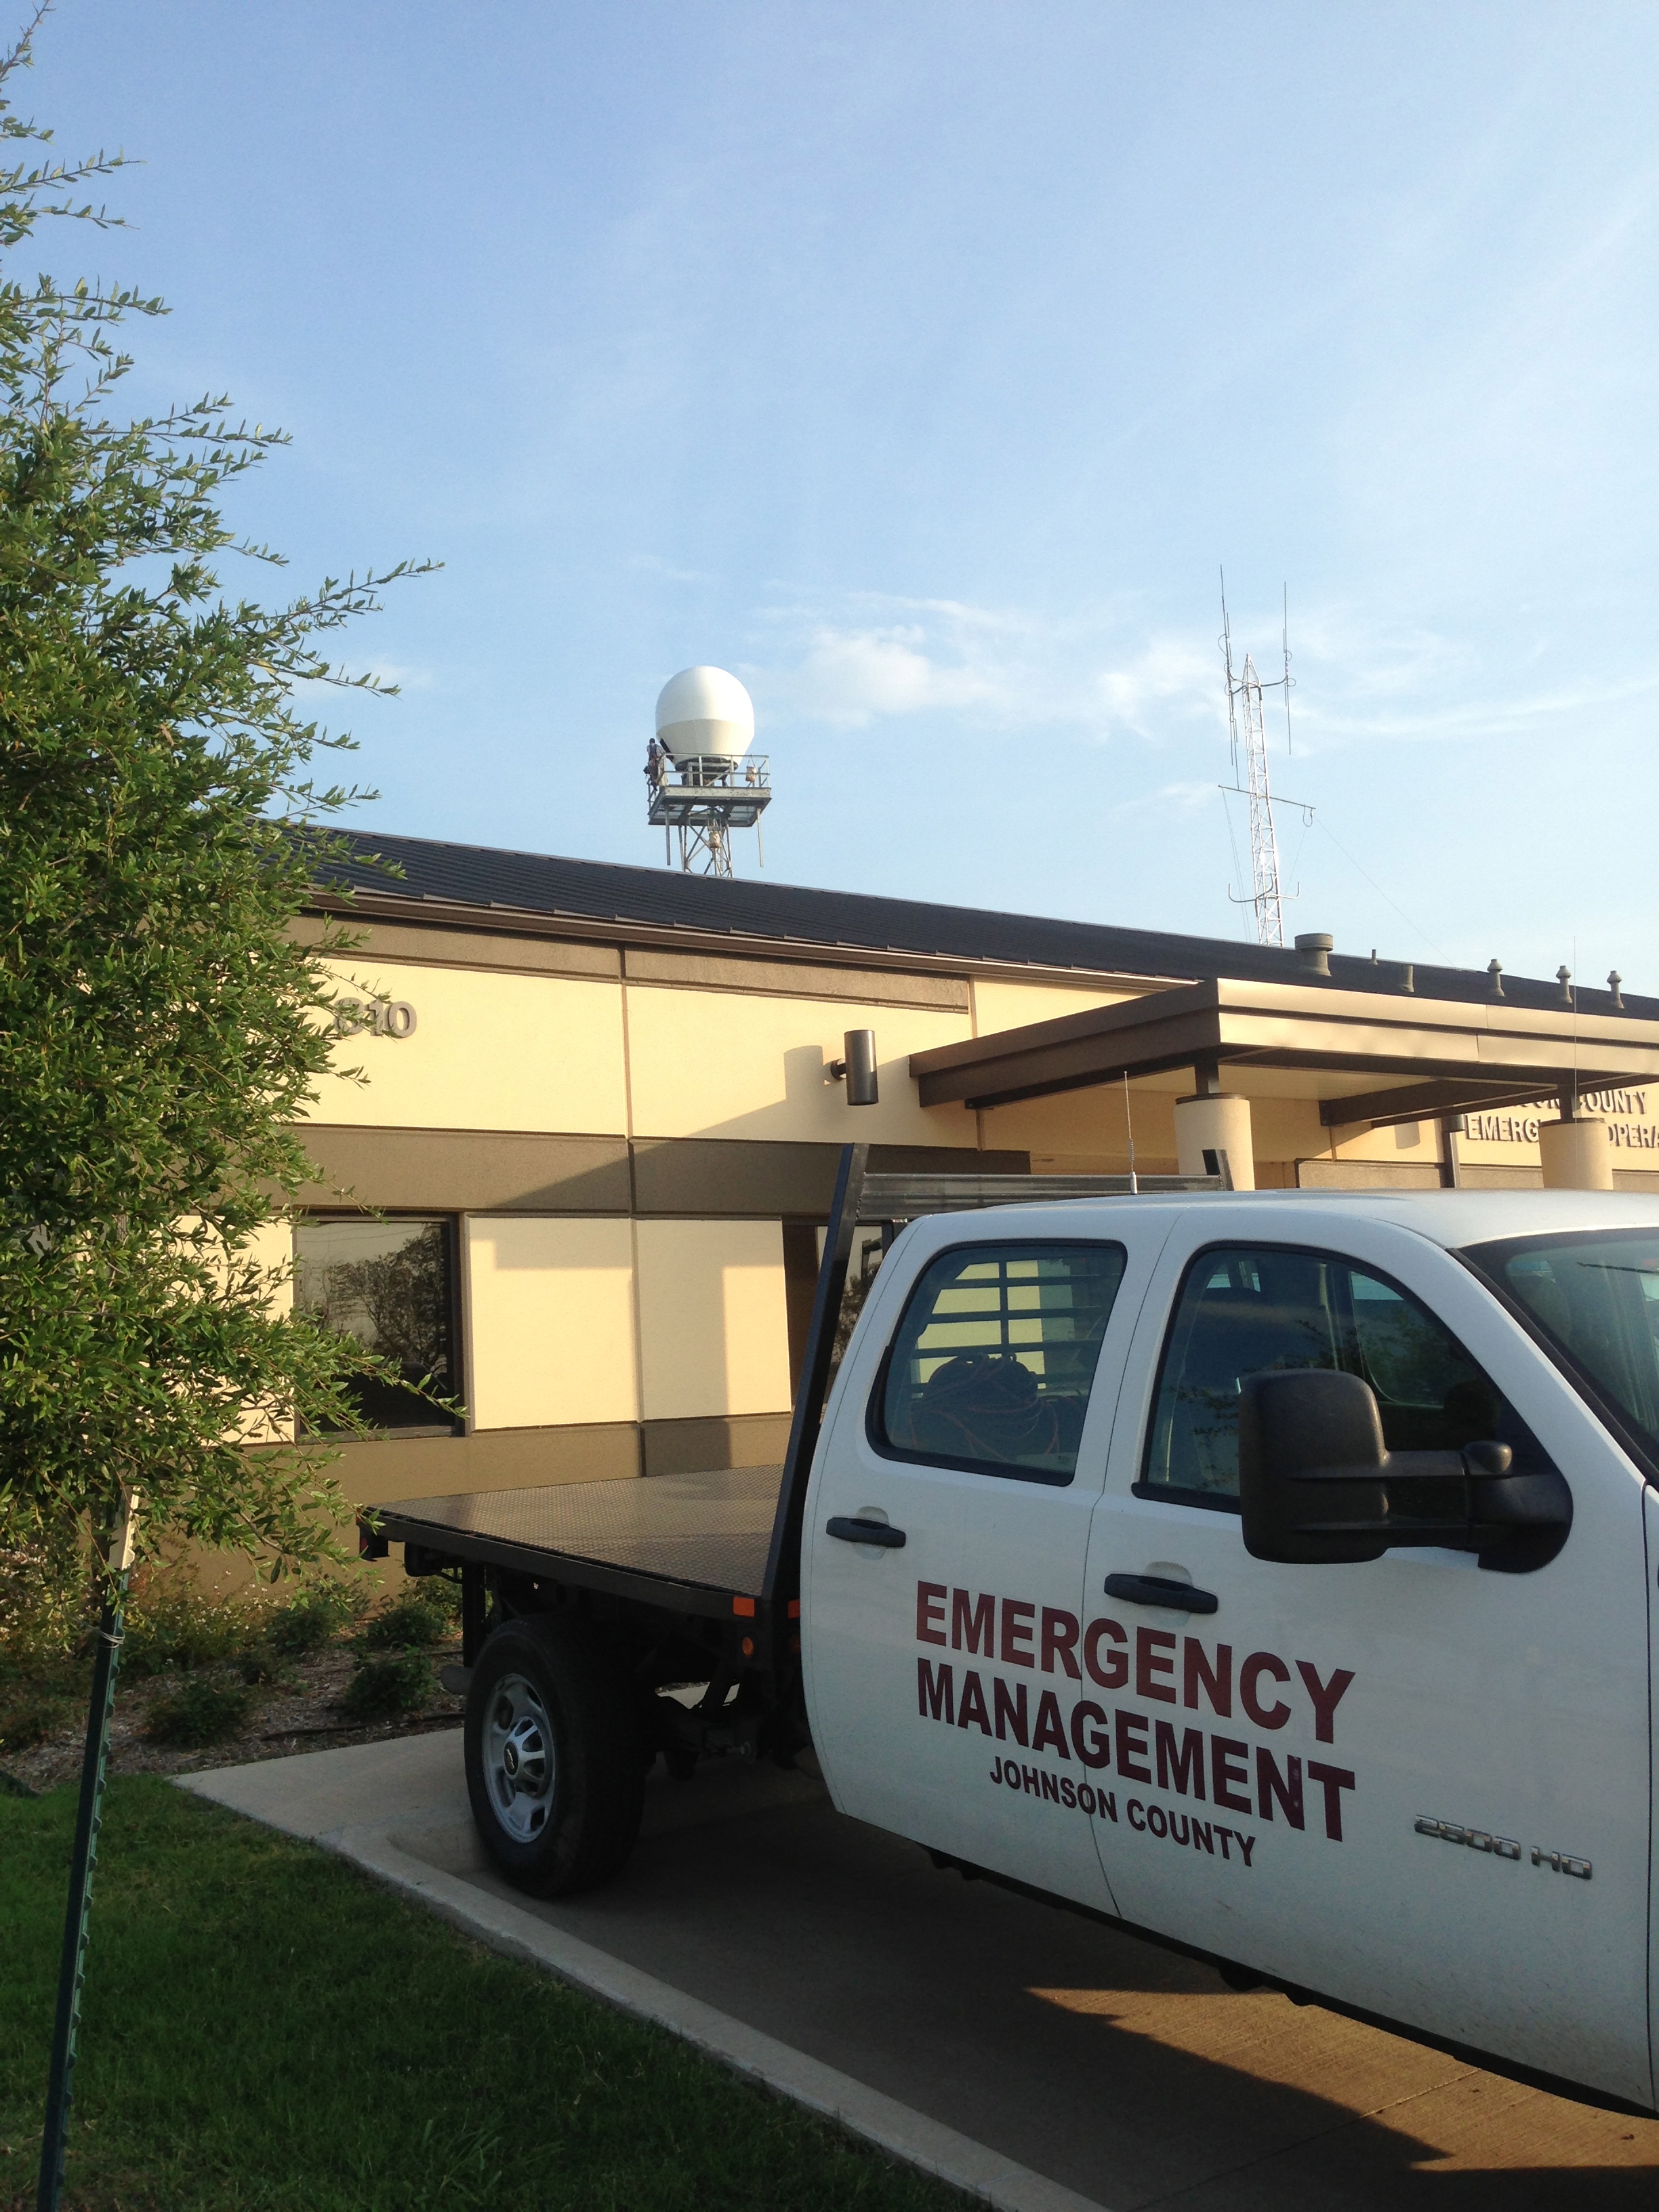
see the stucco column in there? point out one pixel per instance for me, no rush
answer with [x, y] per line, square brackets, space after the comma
[1576, 1154]
[1215, 1122]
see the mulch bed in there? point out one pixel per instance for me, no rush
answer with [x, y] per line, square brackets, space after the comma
[300, 1714]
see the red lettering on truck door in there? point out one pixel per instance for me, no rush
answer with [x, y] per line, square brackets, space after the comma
[1258, 1664]
[1060, 1633]
[1327, 1696]
[976, 1627]
[1196, 1675]
[1114, 1673]
[1152, 1667]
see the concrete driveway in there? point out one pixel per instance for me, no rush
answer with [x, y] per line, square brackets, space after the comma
[1118, 2072]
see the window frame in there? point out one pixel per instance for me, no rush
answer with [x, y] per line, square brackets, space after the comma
[450, 1224]
[875, 1428]
[1214, 1501]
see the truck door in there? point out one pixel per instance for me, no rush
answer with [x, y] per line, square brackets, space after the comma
[1415, 1785]
[944, 1673]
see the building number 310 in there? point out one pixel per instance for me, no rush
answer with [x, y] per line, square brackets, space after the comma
[386, 1017]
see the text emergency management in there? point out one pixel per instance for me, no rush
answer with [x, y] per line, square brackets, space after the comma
[1225, 1771]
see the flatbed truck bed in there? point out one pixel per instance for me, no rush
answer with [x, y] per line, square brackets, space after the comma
[698, 1576]
[707, 1535]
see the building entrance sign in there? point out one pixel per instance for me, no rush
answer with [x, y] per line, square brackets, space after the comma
[1625, 1114]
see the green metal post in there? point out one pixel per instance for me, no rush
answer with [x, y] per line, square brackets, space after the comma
[55, 2137]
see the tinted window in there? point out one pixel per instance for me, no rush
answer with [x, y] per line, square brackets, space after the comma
[390, 1284]
[993, 1359]
[1596, 1298]
[1245, 1309]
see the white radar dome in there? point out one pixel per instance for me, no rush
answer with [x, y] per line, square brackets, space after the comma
[704, 710]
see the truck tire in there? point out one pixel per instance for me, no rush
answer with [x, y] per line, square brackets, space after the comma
[555, 1757]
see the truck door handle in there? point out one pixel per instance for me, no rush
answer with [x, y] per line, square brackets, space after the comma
[864, 1532]
[1158, 1589]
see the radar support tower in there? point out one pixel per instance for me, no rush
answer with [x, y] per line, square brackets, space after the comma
[703, 779]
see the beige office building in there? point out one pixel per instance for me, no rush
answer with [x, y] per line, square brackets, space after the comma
[597, 1126]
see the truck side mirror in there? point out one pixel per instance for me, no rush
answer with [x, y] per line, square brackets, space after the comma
[1318, 1484]
[1310, 1461]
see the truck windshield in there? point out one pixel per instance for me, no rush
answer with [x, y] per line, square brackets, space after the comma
[1594, 1295]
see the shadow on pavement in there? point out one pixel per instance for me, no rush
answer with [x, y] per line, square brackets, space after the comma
[1126, 2073]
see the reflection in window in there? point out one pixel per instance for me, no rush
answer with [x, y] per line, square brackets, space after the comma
[1597, 1295]
[389, 1285]
[1246, 1311]
[995, 1355]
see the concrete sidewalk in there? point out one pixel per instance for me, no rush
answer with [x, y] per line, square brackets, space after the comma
[1029, 2055]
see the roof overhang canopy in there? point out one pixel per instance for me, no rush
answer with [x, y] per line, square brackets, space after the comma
[1391, 1056]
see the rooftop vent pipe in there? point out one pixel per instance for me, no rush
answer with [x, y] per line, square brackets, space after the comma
[1313, 949]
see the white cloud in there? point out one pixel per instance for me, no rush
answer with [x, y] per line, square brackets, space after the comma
[655, 565]
[852, 675]
[873, 658]
[867, 659]
[1172, 678]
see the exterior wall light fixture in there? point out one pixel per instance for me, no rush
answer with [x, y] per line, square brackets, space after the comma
[858, 1069]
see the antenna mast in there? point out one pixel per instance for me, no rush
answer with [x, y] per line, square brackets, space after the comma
[1244, 701]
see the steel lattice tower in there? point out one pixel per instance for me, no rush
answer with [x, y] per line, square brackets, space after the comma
[1267, 895]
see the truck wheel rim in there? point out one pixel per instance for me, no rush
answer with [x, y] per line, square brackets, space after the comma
[519, 1760]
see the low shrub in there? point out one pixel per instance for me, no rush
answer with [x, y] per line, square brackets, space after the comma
[392, 1682]
[44, 1600]
[202, 1710]
[261, 1667]
[443, 1596]
[32, 1718]
[170, 1623]
[315, 1618]
[408, 1619]
[41, 1696]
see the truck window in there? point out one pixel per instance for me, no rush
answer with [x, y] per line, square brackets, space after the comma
[992, 1365]
[1594, 1296]
[1246, 1309]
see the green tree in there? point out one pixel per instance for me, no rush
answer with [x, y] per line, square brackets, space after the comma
[160, 1028]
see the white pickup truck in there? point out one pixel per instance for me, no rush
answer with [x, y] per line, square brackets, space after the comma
[1270, 1574]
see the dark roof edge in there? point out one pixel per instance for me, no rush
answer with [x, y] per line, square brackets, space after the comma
[728, 944]
[450, 886]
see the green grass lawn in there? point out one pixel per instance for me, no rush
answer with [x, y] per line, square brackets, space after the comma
[263, 2026]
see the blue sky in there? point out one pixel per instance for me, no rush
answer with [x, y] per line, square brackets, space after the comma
[922, 364]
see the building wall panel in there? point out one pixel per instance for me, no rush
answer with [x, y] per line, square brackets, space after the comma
[270, 1248]
[714, 1319]
[791, 980]
[430, 946]
[466, 1170]
[1088, 1124]
[725, 1064]
[735, 1440]
[1012, 1006]
[374, 1471]
[489, 1051]
[550, 1322]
